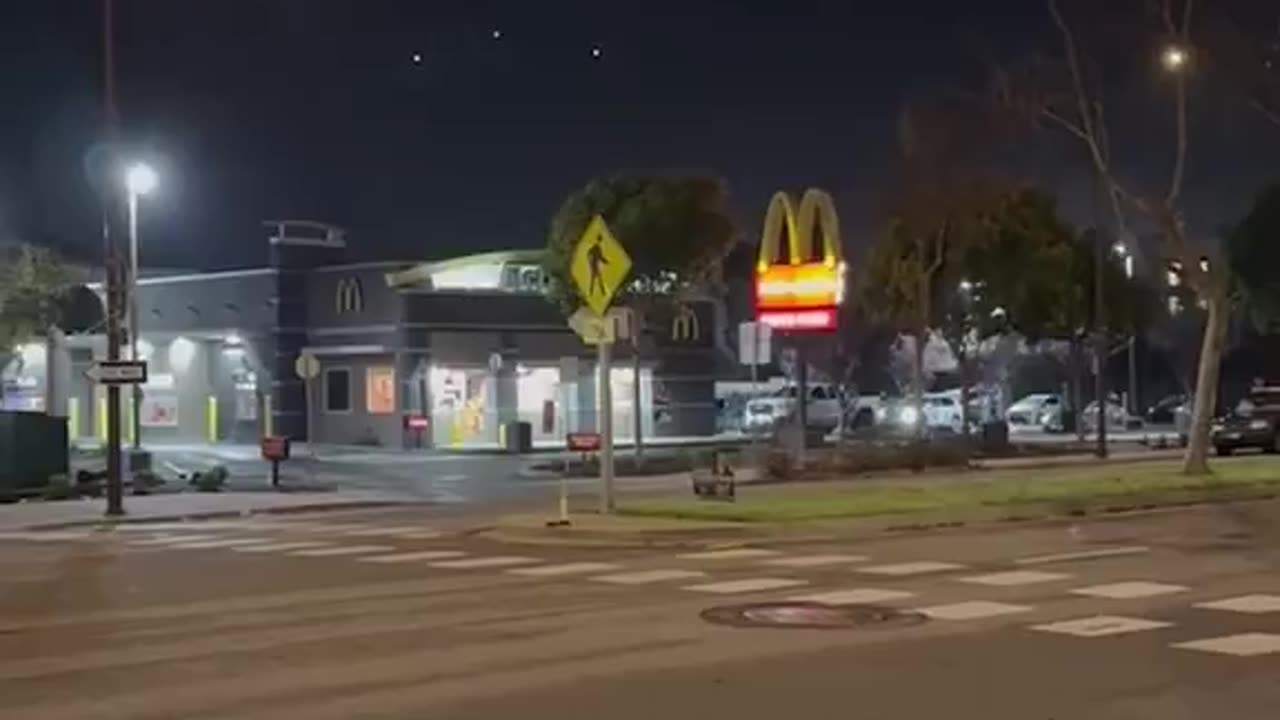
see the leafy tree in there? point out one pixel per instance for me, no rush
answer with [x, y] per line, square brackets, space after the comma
[1253, 251]
[33, 282]
[677, 231]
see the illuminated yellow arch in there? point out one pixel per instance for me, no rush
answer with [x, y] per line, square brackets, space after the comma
[816, 209]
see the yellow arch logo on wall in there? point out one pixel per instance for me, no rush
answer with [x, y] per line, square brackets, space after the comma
[684, 326]
[350, 296]
[801, 290]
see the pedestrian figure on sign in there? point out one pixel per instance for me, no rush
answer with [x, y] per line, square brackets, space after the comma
[595, 259]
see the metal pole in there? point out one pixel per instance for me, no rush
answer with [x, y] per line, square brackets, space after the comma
[115, 482]
[637, 411]
[606, 429]
[133, 317]
[1100, 343]
[802, 402]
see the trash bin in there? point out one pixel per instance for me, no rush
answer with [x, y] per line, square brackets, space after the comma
[33, 447]
[518, 435]
[995, 436]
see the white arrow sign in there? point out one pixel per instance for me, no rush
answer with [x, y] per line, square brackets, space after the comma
[592, 328]
[118, 372]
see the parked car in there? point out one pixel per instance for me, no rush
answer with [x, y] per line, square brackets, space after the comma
[938, 411]
[1165, 410]
[1117, 417]
[823, 407]
[1038, 411]
[942, 411]
[1255, 423]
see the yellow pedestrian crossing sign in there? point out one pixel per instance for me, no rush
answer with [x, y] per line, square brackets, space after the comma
[599, 265]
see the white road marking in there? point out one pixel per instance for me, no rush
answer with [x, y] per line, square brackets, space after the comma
[485, 562]
[418, 535]
[1082, 555]
[343, 550]
[806, 561]
[170, 539]
[1243, 645]
[221, 543]
[1101, 626]
[47, 535]
[1128, 590]
[858, 596]
[972, 610]
[730, 554]
[1251, 604]
[386, 531]
[450, 478]
[729, 587]
[577, 568]
[281, 546]
[910, 568]
[1014, 578]
[642, 577]
[412, 556]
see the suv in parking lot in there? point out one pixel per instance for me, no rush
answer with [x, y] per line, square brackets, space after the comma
[1255, 423]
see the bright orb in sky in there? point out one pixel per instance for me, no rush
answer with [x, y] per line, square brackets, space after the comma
[596, 52]
[497, 34]
[417, 58]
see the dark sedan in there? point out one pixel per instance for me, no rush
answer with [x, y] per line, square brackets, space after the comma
[1255, 423]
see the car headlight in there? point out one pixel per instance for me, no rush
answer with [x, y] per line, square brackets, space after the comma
[1259, 424]
[1216, 427]
[881, 414]
[909, 416]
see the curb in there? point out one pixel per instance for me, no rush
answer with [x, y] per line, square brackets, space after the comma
[1028, 516]
[106, 523]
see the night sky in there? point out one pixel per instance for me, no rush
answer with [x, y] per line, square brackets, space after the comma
[430, 129]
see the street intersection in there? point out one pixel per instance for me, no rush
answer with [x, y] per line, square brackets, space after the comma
[406, 614]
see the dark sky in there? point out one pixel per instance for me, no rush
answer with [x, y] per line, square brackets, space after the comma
[257, 109]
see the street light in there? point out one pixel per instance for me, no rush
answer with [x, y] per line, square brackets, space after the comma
[1174, 58]
[139, 179]
[1123, 251]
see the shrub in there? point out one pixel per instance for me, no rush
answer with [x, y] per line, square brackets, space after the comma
[59, 487]
[211, 480]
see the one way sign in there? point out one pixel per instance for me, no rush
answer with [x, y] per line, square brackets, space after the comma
[118, 372]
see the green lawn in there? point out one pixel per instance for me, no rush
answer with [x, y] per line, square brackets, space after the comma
[1058, 488]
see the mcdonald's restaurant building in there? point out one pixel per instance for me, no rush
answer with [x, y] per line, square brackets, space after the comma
[395, 354]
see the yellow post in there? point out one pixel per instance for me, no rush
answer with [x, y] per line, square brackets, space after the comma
[268, 420]
[101, 418]
[211, 417]
[73, 419]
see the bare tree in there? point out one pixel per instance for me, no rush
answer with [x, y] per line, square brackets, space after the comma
[1068, 93]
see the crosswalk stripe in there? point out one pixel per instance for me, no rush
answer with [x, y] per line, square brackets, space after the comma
[485, 562]
[220, 543]
[578, 568]
[1250, 604]
[281, 546]
[387, 531]
[170, 539]
[972, 610]
[1128, 590]
[1082, 555]
[343, 550]
[1101, 626]
[1241, 645]
[856, 596]
[910, 568]
[730, 554]
[806, 561]
[729, 587]
[1013, 578]
[642, 577]
[412, 556]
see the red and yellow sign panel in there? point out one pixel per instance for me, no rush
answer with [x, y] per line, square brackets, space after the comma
[800, 292]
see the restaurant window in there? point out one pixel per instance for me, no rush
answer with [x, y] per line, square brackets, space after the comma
[337, 390]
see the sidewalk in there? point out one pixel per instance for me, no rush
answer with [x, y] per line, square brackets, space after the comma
[180, 506]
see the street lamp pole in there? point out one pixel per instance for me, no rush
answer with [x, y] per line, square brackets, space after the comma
[140, 179]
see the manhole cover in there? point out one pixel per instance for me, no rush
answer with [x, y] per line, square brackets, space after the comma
[809, 615]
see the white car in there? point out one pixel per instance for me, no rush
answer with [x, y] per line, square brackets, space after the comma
[1117, 416]
[823, 408]
[1038, 411]
[938, 411]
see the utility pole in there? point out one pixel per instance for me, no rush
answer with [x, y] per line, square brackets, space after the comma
[1100, 339]
[606, 428]
[114, 266]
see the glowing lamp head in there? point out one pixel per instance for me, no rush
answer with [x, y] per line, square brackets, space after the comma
[140, 179]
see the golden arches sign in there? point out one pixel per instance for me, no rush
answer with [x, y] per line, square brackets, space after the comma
[816, 213]
[802, 290]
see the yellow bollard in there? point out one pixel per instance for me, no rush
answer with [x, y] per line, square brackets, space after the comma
[211, 418]
[73, 419]
[268, 419]
[102, 419]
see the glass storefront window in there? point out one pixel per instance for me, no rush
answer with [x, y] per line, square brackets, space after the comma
[380, 390]
[459, 404]
[538, 390]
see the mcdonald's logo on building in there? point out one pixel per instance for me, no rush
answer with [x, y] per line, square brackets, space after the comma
[684, 326]
[804, 289]
[350, 296]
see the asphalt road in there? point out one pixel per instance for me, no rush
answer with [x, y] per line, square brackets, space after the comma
[1171, 615]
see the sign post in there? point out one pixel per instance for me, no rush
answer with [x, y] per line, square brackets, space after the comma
[307, 367]
[598, 266]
